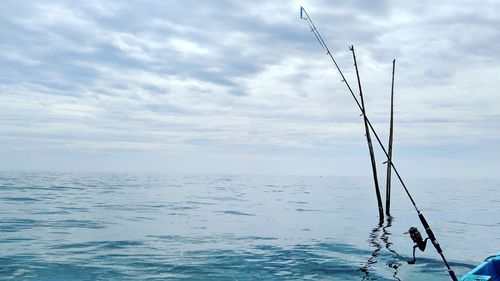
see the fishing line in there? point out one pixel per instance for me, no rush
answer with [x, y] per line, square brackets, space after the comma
[425, 224]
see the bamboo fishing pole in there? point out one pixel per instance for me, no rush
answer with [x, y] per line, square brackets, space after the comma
[389, 157]
[369, 140]
[425, 224]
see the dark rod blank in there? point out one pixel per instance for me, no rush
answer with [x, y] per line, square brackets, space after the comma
[389, 151]
[369, 140]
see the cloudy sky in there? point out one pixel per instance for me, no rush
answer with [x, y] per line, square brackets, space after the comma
[244, 87]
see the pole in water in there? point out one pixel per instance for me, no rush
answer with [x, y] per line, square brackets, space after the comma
[389, 151]
[369, 140]
[423, 221]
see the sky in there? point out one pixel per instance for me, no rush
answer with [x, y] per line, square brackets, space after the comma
[243, 87]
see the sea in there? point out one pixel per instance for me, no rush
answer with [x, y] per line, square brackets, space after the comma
[123, 226]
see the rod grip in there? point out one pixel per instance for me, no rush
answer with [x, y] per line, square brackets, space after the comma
[429, 232]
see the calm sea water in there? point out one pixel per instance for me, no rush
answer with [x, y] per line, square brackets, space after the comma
[64, 226]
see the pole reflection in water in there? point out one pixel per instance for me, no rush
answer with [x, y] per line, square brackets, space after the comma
[394, 263]
[379, 238]
[374, 241]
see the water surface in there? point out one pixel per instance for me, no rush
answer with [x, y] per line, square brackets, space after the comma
[70, 226]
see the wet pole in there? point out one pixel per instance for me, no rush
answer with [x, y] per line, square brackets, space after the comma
[369, 140]
[428, 230]
[389, 157]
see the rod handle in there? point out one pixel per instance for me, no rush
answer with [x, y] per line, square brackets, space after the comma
[429, 232]
[434, 241]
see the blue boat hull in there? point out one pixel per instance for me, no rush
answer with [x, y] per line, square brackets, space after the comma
[486, 271]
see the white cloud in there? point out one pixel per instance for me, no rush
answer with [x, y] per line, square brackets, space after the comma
[187, 47]
[245, 79]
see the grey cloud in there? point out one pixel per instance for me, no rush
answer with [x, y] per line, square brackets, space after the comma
[242, 76]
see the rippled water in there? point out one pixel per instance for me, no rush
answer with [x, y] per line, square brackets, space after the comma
[61, 226]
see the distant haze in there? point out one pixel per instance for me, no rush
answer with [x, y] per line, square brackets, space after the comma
[244, 87]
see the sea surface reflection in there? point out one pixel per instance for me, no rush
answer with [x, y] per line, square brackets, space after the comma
[77, 226]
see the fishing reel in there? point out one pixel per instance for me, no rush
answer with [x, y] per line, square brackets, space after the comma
[420, 243]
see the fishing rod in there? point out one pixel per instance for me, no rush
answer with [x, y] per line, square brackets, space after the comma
[369, 140]
[391, 132]
[425, 224]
